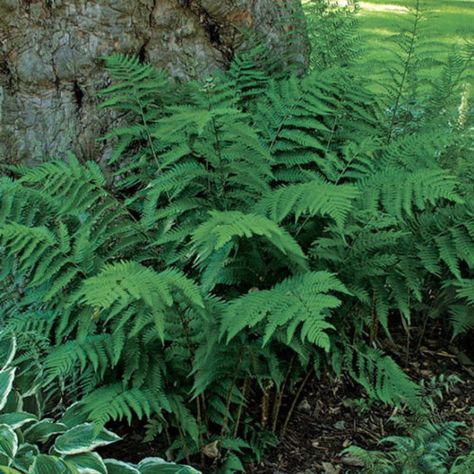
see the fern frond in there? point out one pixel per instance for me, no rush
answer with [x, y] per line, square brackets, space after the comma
[382, 377]
[299, 303]
[113, 402]
[223, 227]
[312, 198]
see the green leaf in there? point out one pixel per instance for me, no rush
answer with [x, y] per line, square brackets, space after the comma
[302, 302]
[224, 227]
[87, 463]
[8, 470]
[25, 456]
[6, 383]
[16, 420]
[313, 198]
[8, 444]
[120, 467]
[7, 352]
[160, 466]
[51, 465]
[82, 439]
[40, 432]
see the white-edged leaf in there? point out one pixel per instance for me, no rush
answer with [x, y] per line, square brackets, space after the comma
[8, 444]
[25, 456]
[6, 383]
[51, 465]
[16, 419]
[82, 439]
[160, 466]
[120, 467]
[87, 463]
[74, 415]
[43, 430]
[7, 352]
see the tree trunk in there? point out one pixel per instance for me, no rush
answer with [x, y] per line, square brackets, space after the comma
[51, 69]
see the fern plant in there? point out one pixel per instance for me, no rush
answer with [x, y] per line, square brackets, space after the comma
[426, 450]
[254, 230]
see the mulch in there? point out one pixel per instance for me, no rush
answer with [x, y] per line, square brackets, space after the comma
[334, 414]
[331, 417]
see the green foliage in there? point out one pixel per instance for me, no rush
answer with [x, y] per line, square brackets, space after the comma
[298, 302]
[25, 438]
[333, 32]
[426, 450]
[253, 228]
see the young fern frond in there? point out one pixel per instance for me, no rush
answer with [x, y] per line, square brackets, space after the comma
[95, 351]
[122, 284]
[401, 194]
[113, 402]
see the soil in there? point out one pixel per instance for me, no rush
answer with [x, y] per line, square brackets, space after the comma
[334, 414]
[329, 419]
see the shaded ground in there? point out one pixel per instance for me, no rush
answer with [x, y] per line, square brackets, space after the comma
[332, 415]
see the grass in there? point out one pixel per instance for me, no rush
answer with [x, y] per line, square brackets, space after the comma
[450, 22]
[446, 27]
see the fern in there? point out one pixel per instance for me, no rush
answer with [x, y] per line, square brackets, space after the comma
[382, 377]
[300, 301]
[112, 402]
[252, 224]
[426, 449]
[222, 227]
[310, 199]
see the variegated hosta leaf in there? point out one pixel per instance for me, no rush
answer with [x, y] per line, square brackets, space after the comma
[74, 415]
[25, 456]
[43, 430]
[16, 420]
[8, 445]
[160, 466]
[29, 382]
[120, 467]
[7, 352]
[82, 439]
[87, 463]
[6, 383]
[51, 465]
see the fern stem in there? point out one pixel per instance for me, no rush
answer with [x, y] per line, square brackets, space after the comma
[294, 402]
[220, 171]
[375, 322]
[245, 389]
[279, 396]
[266, 402]
[185, 445]
[150, 139]
[229, 398]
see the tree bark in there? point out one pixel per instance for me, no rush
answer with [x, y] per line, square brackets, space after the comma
[51, 68]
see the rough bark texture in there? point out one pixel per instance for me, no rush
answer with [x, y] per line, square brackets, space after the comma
[50, 66]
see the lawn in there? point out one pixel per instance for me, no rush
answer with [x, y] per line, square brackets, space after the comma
[451, 23]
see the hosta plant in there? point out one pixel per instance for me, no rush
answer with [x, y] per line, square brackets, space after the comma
[31, 444]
